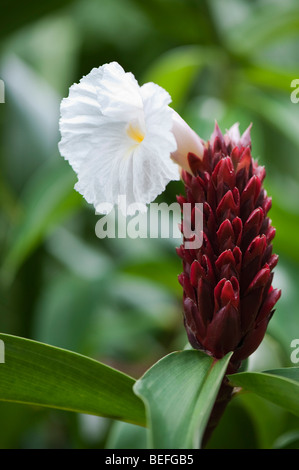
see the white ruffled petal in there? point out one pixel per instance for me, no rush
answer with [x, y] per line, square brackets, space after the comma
[118, 137]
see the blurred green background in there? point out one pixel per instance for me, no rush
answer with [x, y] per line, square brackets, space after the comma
[119, 300]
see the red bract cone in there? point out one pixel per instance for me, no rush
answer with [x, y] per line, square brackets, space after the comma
[228, 297]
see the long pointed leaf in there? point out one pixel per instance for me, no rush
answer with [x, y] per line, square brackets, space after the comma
[179, 392]
[38, 374]
[280, 386]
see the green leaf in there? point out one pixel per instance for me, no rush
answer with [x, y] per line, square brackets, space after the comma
[39, 374]
[261, 413]
[179, 392]
[176, 70]
[280, 112]
[288, 440]
[266, 25]
[268, 78]
[49, 198]
[291, 373]
[280, 386]
[126, 436]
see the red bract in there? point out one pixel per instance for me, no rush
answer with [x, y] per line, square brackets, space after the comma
[228, 297]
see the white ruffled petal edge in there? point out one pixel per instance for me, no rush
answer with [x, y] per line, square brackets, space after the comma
[108, 162]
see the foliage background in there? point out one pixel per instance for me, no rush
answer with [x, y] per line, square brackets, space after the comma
[119, 300]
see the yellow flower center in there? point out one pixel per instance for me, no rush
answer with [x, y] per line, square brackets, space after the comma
[135, 133]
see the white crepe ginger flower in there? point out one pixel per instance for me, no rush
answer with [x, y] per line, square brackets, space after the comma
[120, 137]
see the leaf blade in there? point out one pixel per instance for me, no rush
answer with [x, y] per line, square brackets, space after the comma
[173, 422]
[39, 374]
[281, 388]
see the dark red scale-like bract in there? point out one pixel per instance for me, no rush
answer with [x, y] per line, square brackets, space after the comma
[228, 296]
